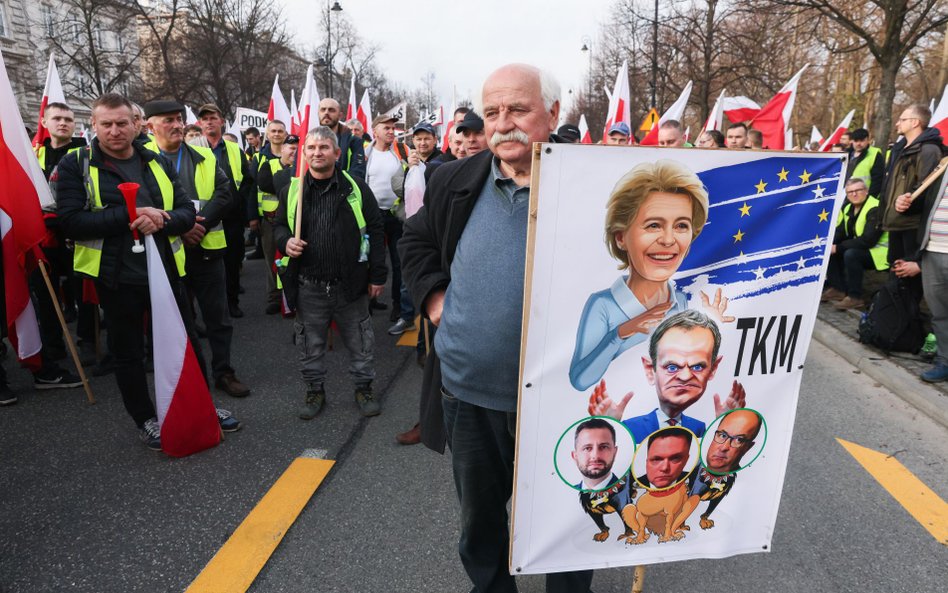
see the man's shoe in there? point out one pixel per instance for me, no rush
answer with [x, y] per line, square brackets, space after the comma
[227, 421]
[936, 374]
[401, 326]
[235, 311]
[849, 303]
[151, 434]
[273, 308]
[7, 397]
[313, 404]
[376, 305]
[231, 385]
[832, 294]
[55, 378]
[411, 436]
[366, 401]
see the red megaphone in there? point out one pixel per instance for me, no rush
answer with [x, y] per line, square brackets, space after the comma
[130, 192]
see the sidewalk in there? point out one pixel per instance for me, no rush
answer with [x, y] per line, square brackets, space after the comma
[897, 372]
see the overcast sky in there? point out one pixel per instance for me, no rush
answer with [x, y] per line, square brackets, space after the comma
[461, 42]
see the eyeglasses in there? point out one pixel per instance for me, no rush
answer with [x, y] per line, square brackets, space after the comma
[853, 192]
[721, 437]
[906, 118]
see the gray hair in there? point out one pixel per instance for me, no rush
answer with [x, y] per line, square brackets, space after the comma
[855, 180]
[324, 133]
[549, 89]
[686, 320]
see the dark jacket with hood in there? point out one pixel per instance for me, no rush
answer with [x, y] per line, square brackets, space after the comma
[909, 165]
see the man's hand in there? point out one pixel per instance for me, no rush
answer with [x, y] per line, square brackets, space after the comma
[646, 322]
[375, 290]
[735, 400]
[434, 306]
[906, 269]
[196, 234]
[254, 225]
[833, 249]
[717, 308]
[903, 202]
[600, 404]
[294, 247]
[150, 220]
[413, 157]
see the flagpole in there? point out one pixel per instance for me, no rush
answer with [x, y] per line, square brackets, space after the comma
[66, 334]
[638, 577]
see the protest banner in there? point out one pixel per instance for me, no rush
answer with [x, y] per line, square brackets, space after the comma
[247, 118]
[663, 284]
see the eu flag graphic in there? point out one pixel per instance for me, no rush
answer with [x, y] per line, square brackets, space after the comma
[767, 228]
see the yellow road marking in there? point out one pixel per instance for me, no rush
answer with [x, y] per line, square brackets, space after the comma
[410, 338]
[239, 561]
[918, 499]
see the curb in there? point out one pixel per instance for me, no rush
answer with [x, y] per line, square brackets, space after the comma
[923, 397]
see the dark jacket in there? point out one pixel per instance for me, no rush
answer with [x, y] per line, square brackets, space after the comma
[265, 178]
[244, 198]
[352, 153]
[358, 276]
[219, 207]
[111, 223]
[908, 167]
[444, 157]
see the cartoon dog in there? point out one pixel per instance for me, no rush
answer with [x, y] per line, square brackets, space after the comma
[659, 512]
[615, 499]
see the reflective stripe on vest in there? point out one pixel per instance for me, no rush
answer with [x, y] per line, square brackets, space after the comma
[267, 203]
[355, 203]
[233, 158]
[41, 154]
[88, 254]
[864, 169]
[880, 252]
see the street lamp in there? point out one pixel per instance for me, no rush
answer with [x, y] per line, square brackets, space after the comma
[587, 49]
[337, 9]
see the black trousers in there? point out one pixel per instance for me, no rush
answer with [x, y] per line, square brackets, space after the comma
[393, 232]
[233, 258]
[205, 281]
[904, 245]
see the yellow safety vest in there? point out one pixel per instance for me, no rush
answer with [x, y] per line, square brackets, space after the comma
[355, 203]
[880, 252]
[864, 169]
[233, 158]
[41, 154]
[204, 177]
[88, 254]
[267, 203]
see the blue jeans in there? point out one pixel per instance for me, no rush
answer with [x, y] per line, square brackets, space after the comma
[318, 305]
[482, 455]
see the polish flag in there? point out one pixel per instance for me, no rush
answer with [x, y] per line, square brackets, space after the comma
[940, 115]
[23, 192]
[278, 109]
[308, 112]
[52, 93]
[619, 102]
[675, 112]
[364, 112]
[815, 135]
[186, 413]
[189, 117]
[584, 137]
[447, 126]
[841, 129]
[775, 115]
[716, 117]
[788, 139]
[294, 114]
[737, 109]
[351, 105]
[687, 134]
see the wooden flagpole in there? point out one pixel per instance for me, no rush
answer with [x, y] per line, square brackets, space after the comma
[638, 578]
[66, 334]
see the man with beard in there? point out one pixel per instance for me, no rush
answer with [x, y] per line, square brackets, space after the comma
[352, 157]
[601, 491]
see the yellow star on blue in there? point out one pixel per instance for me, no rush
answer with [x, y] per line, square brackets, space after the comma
[745, 210]
[761, 186]
[805, 178]
[824, 215]
[782, 174]
[739, 236]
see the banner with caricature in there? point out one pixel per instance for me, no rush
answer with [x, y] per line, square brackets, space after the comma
[671, 297]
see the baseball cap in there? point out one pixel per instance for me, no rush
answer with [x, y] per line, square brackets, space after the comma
[620, 127]
[163, 106]
[471, 121]
[383, 118]
[208, 108]
[292, 139]
[423, 127]
[568, 132]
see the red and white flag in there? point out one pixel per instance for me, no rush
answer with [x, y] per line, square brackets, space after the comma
[788, 139]
[584, 137]
[52, 93]
[716, 117]
[940, 115]
[351, 106]
[738, 109]
[189, 117]
[23, 189]
[619, 102]
[675, 112]
[774, 117]
[278, 109]
[309, 113]
[815, 136]
[841, 129]
[294, 114]
[364, 113]
[186, 412]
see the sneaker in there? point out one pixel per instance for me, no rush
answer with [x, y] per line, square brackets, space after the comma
[412, 436]
[930, 348]
[849, 303]
[227, 421]
[936, 374]
[151, 434]
[231, 385]
[7, 397]
[401, 326]
[55, 378]
[313, 405]
[366, 401]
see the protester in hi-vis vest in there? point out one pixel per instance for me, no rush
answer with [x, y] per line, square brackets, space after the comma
[859, 245]
[93, 213]
[266, 209]
[865, 161]
[332, 270]
[205, 244]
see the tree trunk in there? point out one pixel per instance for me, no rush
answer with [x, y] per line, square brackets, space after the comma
[882, 118]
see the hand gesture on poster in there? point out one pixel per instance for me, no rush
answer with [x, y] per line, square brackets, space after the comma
[600, 404]
[646, 322]
[736, 399]
[717, 308]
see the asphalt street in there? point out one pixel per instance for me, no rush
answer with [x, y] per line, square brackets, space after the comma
[86, 507]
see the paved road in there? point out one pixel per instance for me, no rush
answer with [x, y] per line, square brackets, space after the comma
[87, 508]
